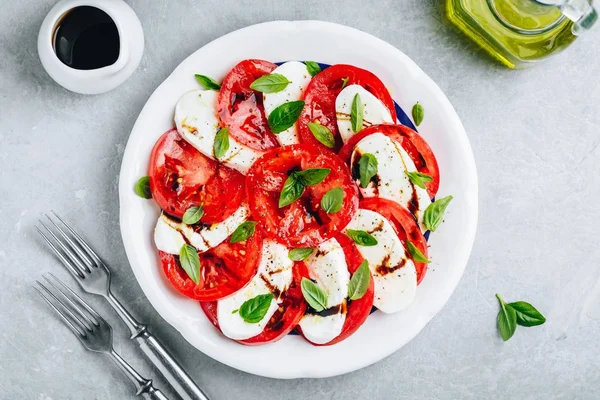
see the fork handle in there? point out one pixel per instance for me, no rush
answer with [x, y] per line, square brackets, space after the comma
[154, 394]
[158, 354]
[170, 369]
[143, 386]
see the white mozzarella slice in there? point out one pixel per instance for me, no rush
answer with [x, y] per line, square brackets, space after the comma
[327, 266]
[297, 73]
[375, 112]
[274, 276]
[391, 181]
[197, 123]
[321, 330]
[170, 234]
[394, 273]
[167, 238]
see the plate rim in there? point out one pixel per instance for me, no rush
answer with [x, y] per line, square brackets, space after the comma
[470, 226]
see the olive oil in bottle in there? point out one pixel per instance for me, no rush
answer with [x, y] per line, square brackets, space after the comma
[518, 33]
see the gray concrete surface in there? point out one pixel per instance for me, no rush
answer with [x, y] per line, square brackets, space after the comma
[536, 139]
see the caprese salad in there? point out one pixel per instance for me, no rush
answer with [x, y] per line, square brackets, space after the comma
[293, 199]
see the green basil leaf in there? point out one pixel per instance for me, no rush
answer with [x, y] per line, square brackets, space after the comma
[527, 315]
[322, 134]
[415, 253]
[292, 190]
[359, 284]
[312, 67]
[300, 253]
[142, 188]
[314, 295]
[344, 82]
[312, 176]
[297, 181]
[221, 144]
[434, 213]
[507, 320]
[271, 83]
[333, 200]
[190, 262]
[356, 113]
[285, 116]
[193, 215]
[207, 82]
[367, 168]
[418, 178]
[361, 238]
[243, 232]
[418, 113]
[255, 309]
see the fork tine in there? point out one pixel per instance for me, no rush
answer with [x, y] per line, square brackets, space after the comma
[70, 304]
[80, 240]
[74, 271]
[74, 260]
[82, 255]
[77, 330]
[72, 296]
[69, 310]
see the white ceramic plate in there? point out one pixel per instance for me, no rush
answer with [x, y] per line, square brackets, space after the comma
[381, 335]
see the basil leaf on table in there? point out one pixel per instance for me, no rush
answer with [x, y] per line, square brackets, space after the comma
[255, 309]
[142, 188]
[434, 213]
[415, 253]
[333, 200]
[356, 113]
[207, 82]
[270, 83]
[527, 315]
[190, 262]
[507, 320]
[359, 283]
[367, 168]
[193, 215]
[361, 238]
[322, 134]
[221, 144]
[300, 254]
[285, 116]
[418, 178]
[418, 113]
[314, 295]
[312, 67]
[243, 232]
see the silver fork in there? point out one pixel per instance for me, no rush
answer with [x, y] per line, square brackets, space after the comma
[92, 330]
[94, 277]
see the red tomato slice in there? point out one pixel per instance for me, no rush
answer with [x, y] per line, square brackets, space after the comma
[413, 143]
[225, 269]
[404, 224]
[182, 177]
[286, 317]
[241, 108]
[357, 310]
[302, 223]
[323, 89]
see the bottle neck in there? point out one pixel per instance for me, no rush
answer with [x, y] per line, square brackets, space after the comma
[584, 13]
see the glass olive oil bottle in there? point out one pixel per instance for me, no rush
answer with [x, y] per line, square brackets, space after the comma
[519, 33]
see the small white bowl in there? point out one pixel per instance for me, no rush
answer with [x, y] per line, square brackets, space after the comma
[100, 80]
